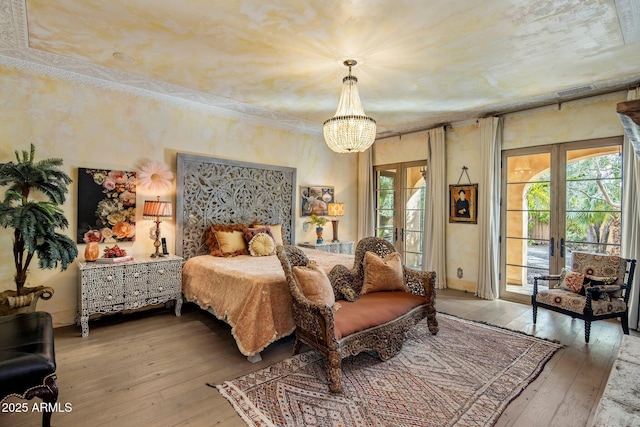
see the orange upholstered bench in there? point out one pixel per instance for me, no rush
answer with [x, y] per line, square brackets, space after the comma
[372, 310]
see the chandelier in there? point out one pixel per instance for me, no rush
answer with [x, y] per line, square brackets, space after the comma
[349, 130]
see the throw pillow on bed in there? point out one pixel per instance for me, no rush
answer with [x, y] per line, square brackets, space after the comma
[314, 284]
[277, 232]
[250, 232]
[231, 242]
[383, 274]
[262, 244]
[225, 240]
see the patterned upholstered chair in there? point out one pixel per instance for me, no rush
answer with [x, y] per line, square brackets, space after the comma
[597, 287]
[324, 328]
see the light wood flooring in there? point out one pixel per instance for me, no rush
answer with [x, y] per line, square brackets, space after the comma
[151, 368]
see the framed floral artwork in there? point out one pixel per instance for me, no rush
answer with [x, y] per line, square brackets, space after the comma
[106, 206]
[315, 199]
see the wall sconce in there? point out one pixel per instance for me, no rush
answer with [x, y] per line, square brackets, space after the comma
[335, 210]
[155, 210]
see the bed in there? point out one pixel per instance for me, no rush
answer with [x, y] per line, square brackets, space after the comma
[247, 292]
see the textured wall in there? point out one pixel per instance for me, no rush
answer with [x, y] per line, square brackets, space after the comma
[94, 127]
[578, 120]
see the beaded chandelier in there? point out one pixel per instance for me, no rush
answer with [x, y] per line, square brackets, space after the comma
[349, 130]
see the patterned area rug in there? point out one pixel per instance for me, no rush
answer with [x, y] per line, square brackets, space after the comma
[464, 376]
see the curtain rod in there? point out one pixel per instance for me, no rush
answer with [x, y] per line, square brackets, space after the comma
[498, 114]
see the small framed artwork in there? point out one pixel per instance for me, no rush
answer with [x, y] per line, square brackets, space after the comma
[315, 199]
[463, 203]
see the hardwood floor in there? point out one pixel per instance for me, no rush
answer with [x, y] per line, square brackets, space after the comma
[152, 368]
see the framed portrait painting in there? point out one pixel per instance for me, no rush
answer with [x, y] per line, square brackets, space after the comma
[463, 203]
[315, 200]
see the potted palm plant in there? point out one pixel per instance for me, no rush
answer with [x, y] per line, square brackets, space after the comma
[35, 223]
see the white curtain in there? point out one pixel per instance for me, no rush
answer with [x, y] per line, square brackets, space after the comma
[630, 215]
[489, 207]
[365, 194]
[435, 218]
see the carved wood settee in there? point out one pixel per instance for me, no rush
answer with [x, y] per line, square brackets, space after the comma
[354, 317]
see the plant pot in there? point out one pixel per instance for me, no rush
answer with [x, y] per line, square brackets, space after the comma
[10, 303]
[319, 238]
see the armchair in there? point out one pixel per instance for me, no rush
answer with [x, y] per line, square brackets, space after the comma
[597, 287]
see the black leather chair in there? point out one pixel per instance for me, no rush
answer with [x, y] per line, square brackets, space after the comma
[27, 359]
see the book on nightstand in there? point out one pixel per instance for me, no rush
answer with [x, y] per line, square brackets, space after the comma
[116, 260]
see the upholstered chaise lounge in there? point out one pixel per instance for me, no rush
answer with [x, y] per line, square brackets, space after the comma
[350, 318]
[27, 359]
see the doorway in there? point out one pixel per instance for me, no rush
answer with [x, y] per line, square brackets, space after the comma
[400, 205]
[557, 199]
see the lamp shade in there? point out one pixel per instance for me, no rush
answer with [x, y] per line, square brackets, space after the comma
[157, 209]
[335, 209]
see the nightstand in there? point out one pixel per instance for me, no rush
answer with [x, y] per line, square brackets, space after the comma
[335, 247]
[110, 288]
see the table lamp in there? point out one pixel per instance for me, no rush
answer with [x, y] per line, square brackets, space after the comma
[155, 210]
[335, 210]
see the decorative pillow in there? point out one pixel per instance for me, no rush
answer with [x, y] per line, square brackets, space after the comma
[600, 281]
[383, 274]
[220, 234]
[604, 287]
[314, 284]
[277, 232]
[598, 294]
[231, 242]
[570, 281]
[262, 244]
[250, 232]
[341, 279]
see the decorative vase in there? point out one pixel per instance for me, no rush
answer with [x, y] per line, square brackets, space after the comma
[91, 252]
[319, 239]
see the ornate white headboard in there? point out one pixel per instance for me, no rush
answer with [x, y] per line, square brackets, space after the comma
[217, 191]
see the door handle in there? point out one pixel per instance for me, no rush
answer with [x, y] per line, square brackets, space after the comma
[395, 234]
[552, 245]
[402, 235]
[562, 247]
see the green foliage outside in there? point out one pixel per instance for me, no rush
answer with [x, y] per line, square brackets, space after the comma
[593, 200]
[385, 206]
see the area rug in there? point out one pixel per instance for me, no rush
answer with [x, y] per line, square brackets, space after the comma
[465, 375]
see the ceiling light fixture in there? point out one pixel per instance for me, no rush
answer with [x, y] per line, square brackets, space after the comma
[349, 130]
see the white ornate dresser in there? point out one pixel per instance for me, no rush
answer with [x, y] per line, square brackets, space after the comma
[110, 288]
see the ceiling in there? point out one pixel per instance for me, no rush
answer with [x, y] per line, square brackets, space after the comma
[419, 63]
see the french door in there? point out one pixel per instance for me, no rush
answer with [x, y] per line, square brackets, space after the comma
[557, 199]
[400, 204]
